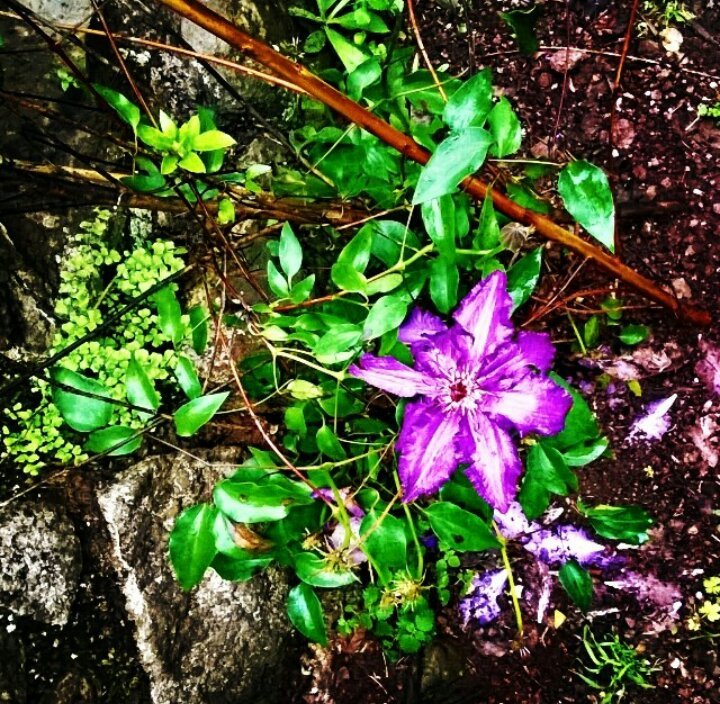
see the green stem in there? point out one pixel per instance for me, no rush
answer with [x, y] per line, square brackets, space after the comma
[413, 532]
[287, 355]
[511, 580]
[583, 349]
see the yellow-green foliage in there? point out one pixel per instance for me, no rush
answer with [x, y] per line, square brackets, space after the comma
[709, 610]
[95, 279]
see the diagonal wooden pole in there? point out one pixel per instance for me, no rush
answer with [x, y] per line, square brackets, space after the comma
[299, 75]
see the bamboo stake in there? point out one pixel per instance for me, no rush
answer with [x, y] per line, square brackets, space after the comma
[295, 73]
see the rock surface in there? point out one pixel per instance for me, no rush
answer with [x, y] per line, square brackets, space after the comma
[39, 562]
[222, 642]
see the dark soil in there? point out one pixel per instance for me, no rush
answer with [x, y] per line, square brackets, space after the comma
[666, 180]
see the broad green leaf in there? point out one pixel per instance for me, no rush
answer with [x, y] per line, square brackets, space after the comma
[634, 334]
[192, 163]
[192, 544]
[199, 328]
[591, 331]
[522, 23]
[457, 156]
[470, 104]
[580, 423]
[329, 444]
[627, 523]
[523, 196]
[582, 454]
[277, 282]
[169, 314]
[128, 111]
[384, 284]
[235, 569]
[505, 129]
[387, 313]
[523, 276]
[460, 491]
[187, 377]
[362, 19]
[190, 417]
[119, 437]
[546, 465]
[347, 278]
[439, 219]
[386, 545]
[444, 282]
[586, 194]
[350, 55]
[302, 289]
[144, 183]
[289, 251]
[169, 164]
[211, 140]
[81, 413]
[295, 420]
[533, 496]
[167, 125]
[306, 613]
[304, 390]
[357, 251]
[338, 344]
[139, 388]
[154, 138]
[362, 77]
[459, 529]
[577, 583]
[313, 570]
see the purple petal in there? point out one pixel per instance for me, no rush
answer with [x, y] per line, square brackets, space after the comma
[419, 327]
[337, 539]
[536, 349]
[535, 404]
[481, 604]
[445, 354]
[485, 313]
[655, 422]
[708, 368]
[494, 463]
[514, 360]
[392, 376]
[566, 543]
[426, 447]
[513, 523]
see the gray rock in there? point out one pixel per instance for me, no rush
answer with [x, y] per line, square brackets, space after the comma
[39, 562]
[222, 642]
[70, 11]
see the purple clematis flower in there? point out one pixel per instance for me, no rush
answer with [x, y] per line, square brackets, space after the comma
[555, 547]
[481, 604]
[473, 384]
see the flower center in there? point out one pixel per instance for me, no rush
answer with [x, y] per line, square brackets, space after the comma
[458, 391]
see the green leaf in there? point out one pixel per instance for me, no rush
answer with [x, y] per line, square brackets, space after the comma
[386, 545]
[360, 18]
[167, 125]
[329, 444]
[487, 235]
[235, 569]
[169, 164]
[211, 140]
[582, 454]
[199, 328]
[154, 138]
[302, 289]
[459, 490]
[277, 282]
[577, 583]
[144, 183]
[313, 570]
[187, 377]
[362, 77]
[459, 529]
[627, 523]
[350, 55]
[386, 314]
[523, 277]
[347, 278]
[586, 194]
[444, 282]
[295, 420]
[119, 437]
[523, 196]
[470, 104]
[384, 284]
[338, 344]
[192, 163]
[580, 423]
[547, 466]
[139, 388]
[533, 497]
[128, 111]
[439, 219]
[357, 251]
[81, 413]
[306, 613]
[169, 314]
[634, 334]
[192, 544]
[522, 23]
[289, 251]
[505, 129]
[457, 156]
[190, 417]
[226, 212]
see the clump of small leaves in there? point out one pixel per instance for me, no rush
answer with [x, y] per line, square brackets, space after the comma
[707, 615]
[115, 371]
[667, 12]
[713, 111]
[613, 667]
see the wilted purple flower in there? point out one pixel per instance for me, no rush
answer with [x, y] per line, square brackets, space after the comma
[555, 547]
[353, 508]
[337, 539]
[513, 523]
[477, 381]
[655, 422]
[481, 604]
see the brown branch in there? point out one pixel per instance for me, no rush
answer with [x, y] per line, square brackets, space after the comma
[317, 88]
[421, 47]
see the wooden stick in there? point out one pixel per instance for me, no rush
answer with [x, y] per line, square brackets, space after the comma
[295, 73]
